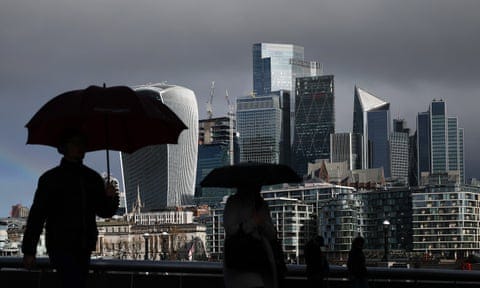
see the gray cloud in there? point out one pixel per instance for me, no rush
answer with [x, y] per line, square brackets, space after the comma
[407, 52]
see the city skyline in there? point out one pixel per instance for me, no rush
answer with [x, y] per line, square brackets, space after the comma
[405, 53]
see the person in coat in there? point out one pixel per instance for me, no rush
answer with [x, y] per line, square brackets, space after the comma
[316, 261]
[357, 264]
[67, 200]
[253, 256]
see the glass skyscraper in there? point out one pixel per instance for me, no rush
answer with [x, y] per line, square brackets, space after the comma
[346, 147]
[259, 124]
[371, 119]
[165, 174]
[399, 151]
[275, 68]
[440, 142]
[423, 142]
[438, 121]
[315, 120]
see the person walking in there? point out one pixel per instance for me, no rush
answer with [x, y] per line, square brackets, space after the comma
[316, 261]
[253, 257]
[357, 264]
[67, 200]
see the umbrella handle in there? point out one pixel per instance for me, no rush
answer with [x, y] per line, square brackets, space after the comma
[107, 145]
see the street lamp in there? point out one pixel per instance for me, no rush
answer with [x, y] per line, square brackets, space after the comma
[386, 225]
[146, 236]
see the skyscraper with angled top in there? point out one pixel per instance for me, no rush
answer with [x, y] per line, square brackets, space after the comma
[371, 119]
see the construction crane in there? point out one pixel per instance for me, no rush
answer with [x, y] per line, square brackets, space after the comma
[231, 115]
[209, 103]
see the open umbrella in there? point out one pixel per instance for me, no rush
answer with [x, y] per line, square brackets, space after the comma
[250, 173]
[116, 118]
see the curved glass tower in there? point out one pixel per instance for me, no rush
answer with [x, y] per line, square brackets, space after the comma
[165, 174]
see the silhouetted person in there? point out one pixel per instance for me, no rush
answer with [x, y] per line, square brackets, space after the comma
[67, 200]
[357, 264]
[253, 256]
[316, 260]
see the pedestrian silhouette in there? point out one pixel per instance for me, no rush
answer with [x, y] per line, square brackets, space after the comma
[316, 260]
[253, 256]
[357, 264]
[67, 200]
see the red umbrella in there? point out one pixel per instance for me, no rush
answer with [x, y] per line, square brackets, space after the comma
[116, 118]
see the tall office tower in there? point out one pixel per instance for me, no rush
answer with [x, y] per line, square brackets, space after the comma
[413, 160]
[399, 151]
[423, 142]
[371, 119]
[259, 124]
[276, 66]
[346, 147]
[439, 148]
[165, 174]
[440, 142]
[315, 120]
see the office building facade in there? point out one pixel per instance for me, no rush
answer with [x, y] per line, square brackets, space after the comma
[165, 174]
[275, 68]
[315, 120]
[346, 147]
[440, 142]
[260, 129]
[371, 119]
[399, 146]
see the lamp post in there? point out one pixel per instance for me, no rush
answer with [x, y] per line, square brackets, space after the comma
[386, 225]
[146, 236]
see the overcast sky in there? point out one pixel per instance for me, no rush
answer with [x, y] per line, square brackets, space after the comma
[406, 52]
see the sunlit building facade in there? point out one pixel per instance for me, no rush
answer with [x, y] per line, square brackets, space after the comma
[164, 175]
[446, 220]
[259, 124]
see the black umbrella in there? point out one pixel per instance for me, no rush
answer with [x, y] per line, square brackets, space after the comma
[250, 173]
[116, 118]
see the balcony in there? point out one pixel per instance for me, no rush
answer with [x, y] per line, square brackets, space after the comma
[139, 274]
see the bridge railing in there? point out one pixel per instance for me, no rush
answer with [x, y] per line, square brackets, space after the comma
[189, 274]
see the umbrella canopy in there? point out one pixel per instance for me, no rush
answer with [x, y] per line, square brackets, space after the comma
[114, 118]
[250, 173]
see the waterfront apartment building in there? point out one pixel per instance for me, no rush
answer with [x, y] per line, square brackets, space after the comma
[446, 220]
[371, 119]
[392, 204]
[314, 120]
[165, 174]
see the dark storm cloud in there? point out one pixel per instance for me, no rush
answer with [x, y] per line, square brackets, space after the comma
[406, 52]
